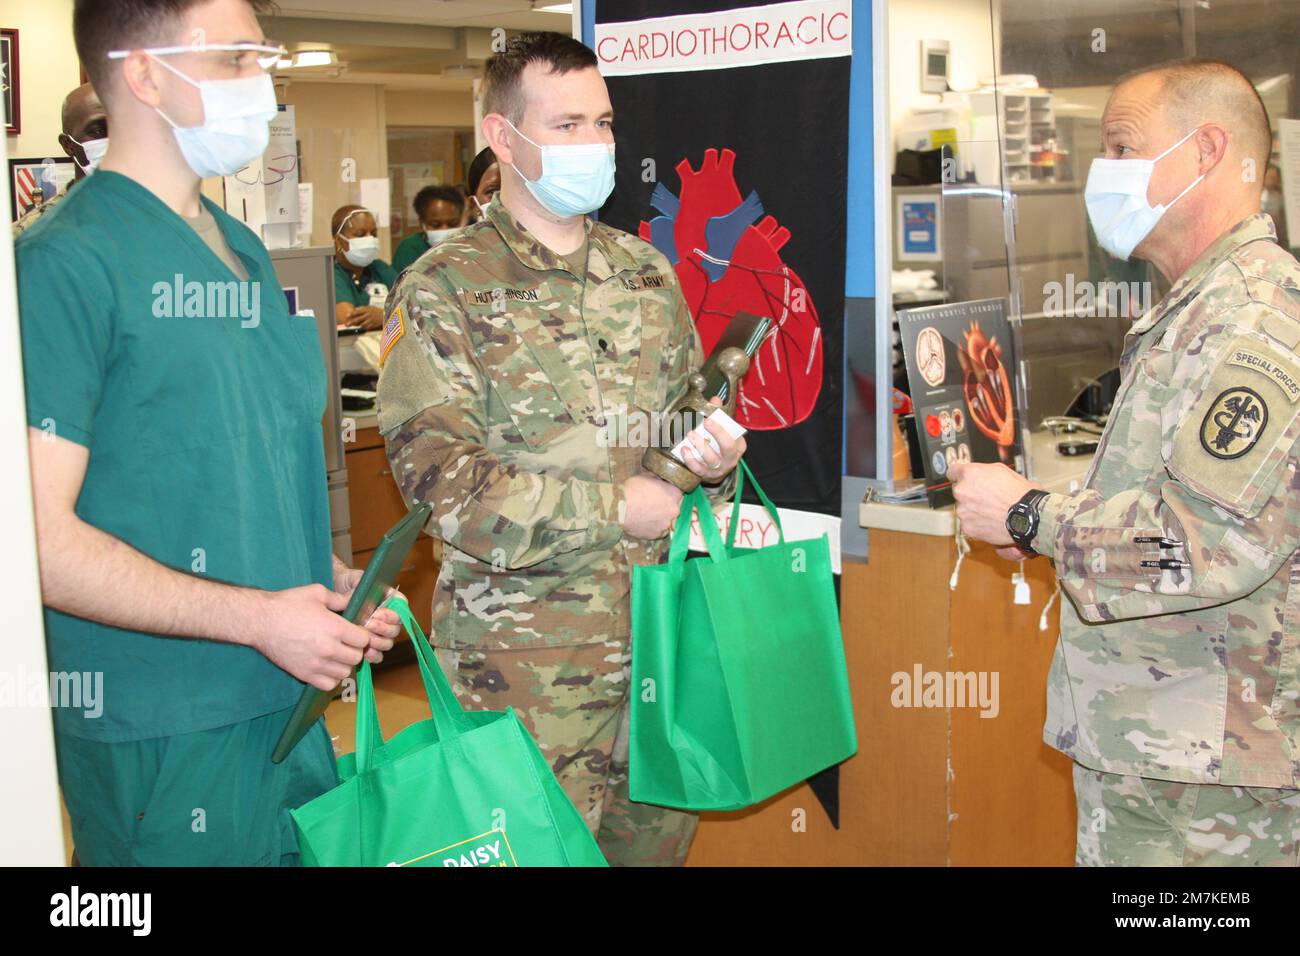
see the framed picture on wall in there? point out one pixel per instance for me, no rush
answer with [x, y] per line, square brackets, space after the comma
[26, 176]
[9, 80]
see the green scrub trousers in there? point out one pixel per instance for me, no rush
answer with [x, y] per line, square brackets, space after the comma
[209, 798]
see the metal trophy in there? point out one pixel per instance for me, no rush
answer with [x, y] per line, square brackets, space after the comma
[722, 372]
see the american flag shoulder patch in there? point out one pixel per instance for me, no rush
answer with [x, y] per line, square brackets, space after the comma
[394, 329]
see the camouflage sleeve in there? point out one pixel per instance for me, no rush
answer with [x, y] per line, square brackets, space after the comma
[432, 399]
[690, 359]
[1219, 523]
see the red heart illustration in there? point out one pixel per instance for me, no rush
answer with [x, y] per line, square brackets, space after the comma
[987, 389]
[720, 279]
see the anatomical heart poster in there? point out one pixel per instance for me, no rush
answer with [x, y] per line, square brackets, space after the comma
[731, 131]
[961, 372]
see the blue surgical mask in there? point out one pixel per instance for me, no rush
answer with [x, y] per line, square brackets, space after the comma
[362, 250]
[95, 150]
[435, 236]
[576, 179]
[236, 118]
[1116, 199]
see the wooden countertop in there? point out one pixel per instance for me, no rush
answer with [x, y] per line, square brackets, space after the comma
[1056, 472]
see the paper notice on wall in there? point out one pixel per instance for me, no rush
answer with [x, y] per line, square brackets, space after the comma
[280, 169]
[306, 207]
[374, 196]
[246, 197]
[1289, 135]
[264, 194]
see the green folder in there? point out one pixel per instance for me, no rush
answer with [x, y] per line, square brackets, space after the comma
[372, 591]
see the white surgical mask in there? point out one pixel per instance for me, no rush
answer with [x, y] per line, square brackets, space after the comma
[236, 118]
[362, 250]
[575, 179]
[1116, 197]
[482, 206]
[436, 236]
[95, 150]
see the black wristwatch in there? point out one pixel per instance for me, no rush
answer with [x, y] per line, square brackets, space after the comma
[1022, 520]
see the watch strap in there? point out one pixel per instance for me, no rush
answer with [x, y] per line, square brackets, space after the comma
[1030, 501]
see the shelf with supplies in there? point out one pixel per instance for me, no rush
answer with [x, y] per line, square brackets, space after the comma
[1025, 123]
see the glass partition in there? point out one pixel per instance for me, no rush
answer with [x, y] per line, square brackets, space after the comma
[1076, 299]
[1007, 151]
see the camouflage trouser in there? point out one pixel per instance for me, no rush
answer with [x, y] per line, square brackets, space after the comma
[1139, 821]
[574, 701]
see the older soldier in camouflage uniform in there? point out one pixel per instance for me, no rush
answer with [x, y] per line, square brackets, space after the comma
[1176, 681]
[522, 360]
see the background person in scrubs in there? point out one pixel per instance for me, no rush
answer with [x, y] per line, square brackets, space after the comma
[178, 470]
[361, 278]
[441, 210]
[483, 182]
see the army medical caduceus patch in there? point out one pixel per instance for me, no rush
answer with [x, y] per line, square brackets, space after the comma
[1234, 423]
[1229, 447]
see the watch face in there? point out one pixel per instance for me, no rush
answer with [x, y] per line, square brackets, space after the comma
[1018, 522]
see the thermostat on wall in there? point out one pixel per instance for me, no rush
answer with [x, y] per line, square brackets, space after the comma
[934, 66]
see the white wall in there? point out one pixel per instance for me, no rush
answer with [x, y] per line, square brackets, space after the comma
[48, 71]
[31, 830]
[967, 27]
[340, 122]
[429, 108]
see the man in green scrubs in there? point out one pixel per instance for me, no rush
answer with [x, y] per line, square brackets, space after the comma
[361, 278]
[178, 472]
[440, 210]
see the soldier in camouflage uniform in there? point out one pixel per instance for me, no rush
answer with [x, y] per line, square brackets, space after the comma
[1176, 681]
[515, 385]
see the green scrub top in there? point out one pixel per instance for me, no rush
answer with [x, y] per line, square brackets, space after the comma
[345, 290]
[199, 399]
[410, 249]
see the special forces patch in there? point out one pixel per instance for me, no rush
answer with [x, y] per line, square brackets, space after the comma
[1234, 423]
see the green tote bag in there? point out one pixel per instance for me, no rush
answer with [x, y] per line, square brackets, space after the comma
[739, 685]
[464, 788]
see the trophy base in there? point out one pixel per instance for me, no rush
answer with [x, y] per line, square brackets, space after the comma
[662, 465]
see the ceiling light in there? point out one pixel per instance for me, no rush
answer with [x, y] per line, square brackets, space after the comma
[314, 58]
[1272, 83]
[555, 8]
